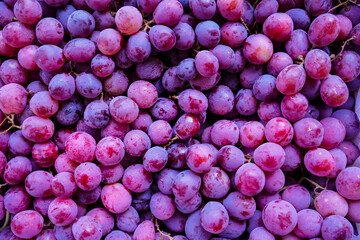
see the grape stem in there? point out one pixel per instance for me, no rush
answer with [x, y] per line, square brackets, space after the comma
[11, 120]
[174, 97]
[341, 4]
[343, 47]
[162, 234]
[243, 22]
[248, 158]
[171, 141]
[147, 24]
[72, 71]
[317, 186]
[7, 220]
[102, 96]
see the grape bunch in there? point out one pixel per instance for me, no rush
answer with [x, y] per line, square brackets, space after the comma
[179, 119]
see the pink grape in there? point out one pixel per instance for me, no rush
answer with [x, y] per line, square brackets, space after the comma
[319, 162]
[326, 21]
[278, 27]
[347, 65]
[258, 49]
[13, 98]
[317, 64]
[18, 34]
[214, 217]
[123, 109]
[77, 141]
[109, 37]
[298, 196]
[336, 226]
[110, 195]
[126, 15]
[87, 227]
[347, 183]
[334, 132]
[252, 134]
[63, 185]
[269, 157]
[27, 224]
[168, 12]
[239, 206]
[231, 10]
[294, 107]
[137, 172]
[291, 79]
[324, 204]
[62, 211]
[308, 133]
[279, 130]
[309, 223]
[200, 158]
[87, 176]
[250, 179]
[215, 183]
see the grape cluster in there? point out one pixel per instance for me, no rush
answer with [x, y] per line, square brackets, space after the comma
[179, 119]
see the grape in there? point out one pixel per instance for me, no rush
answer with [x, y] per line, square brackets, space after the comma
[298, 45]
[200, 157]
[225, 56]
[239, 206]
[18, 144]
[38, 184]
[62, 15]
[128, 220]
[334, 132]
[187, 126]
[142, 122]
[62, 86]
[185, 36]
[145, 230]
[56, 3]
[202, 83]
[162, 37]
[214, 217]
[203, 9]
[215, 183]
[168, 12]
[233, 34]
[278, 62]
[309, 223]
[347, 183]
[7, 14]
[269, 156]
[317, 64]
[264, 198]
[16, 199]
[264, 9]
[103, 19]
[245, 102]
[98, 5]
[193, 228]
[208, 33]
[138, 47]
[319, 162]
[27, 224]
[136, 143]
[162, 206]
[279, 217]
[261, 233]
[189, 206]
[221, 100]
[239, 62]
[102, 65]
[147, 6]
[105, 219]
[347, 65]
[165, 180]
[264, 88]
[279, 130]
[351, 151]
[298, 196]
[62, 211]
[18, 34]
[70, 111]
[324, 204]
[186, 185]
[79, 50]
[12, 72]
[26, 58]
[143, 93]
[231, 10]
[6, 49]
[87, 197]
[278, 27]
[252, 134]
[177, 155]
[49, 58]
[87, 227]
[141, 176]
[317, 28]
[17, 169]
[80, 24]
[350, 121]
[224, 132]
[186, 69]
[63, 232]
[63, 185]
[268, 110]
[255, 221]
[13, 98]
[317, 8]
[110, 195]
[300, 18]
[274, 181]
[160, 132]
[155, 159]
[87, 176]
[230, 158]
[49, 31]
[43, 105]
[249, 179]
[336, 227]
[258, 49]
[150, 69]
[294, 107]
[207, 64]
[116, 234]
[109, 41]
[345, 27]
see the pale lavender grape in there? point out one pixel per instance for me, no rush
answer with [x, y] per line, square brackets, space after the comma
[102, 65]
[62, 86]
[350, 121]
[203, 9]
[308, 133]
[239, 62]
[347, 66]
[245, 102]
[88, 85]
[239, 206]
[17, 169]
[336, 227]
[340, 161]
[292, 158]
[49, 31]
[224, 132]
[87, 197]
[317, 64]
[264, 88]
[351, 151]
[70, 111]
[230, 158]
[221, 100]
[116, 234]
[160, 132]
[215, 183]
[168, 12]
[128, 220]
[165, 180]
[258, 49]
[249, 179]
[334, 132]
[27, 224]
[249, 75]
[294, 107]
[87, 227]
[309, 223]
[18, 144]
[49, 58]
[298, 196]
[300, 18]
[208, 33]
[26, 58]
[326, 21]
[110, 195]
[298, 45]
[80, 50]
[155, 159]
[16, 199]
[186, 69]
[105, 218]
[274, 214]
[150, 69]
[189, 206]
[80, 24]
[225, 56]
[233, 34]
[177, 155]
[63, 185]
[193, 227]
[186, 185]
[278, 27]
[162, 206]
[142, 122]
[6, 14]
[62, 15]
[202, 83]
[109, 41]
[260, 233]
[264, 9]
[12, 72]
[43, 105]
[278, 62]
[347, 183]
[248, 13]
[162, 37]
[214, 218]
[324, 204]
[263, 198]
[138, 47]
[103, 20]
[38, 184]
[18, 34]
[353, 210]
[274, 181]
[185, 36]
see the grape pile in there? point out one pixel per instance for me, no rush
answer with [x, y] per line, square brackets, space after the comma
[179, 119]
